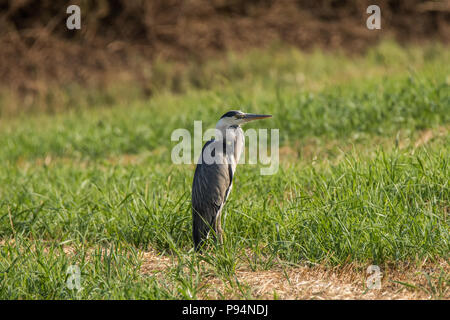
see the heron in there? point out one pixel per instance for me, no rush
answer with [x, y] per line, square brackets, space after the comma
[213, 180]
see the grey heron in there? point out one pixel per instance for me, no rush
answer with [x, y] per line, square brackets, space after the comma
[213, 180]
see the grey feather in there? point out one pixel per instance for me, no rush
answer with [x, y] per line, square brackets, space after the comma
[214, 175]
[209, 192]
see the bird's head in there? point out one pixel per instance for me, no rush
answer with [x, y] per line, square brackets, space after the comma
[236, 118]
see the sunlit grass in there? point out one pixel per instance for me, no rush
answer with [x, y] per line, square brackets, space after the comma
[358, 182]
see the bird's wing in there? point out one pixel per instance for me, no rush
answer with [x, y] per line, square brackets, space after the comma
[209, 191]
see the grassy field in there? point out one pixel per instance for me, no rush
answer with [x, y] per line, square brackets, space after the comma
[363, 179]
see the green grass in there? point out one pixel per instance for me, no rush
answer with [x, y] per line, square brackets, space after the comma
[99, 179]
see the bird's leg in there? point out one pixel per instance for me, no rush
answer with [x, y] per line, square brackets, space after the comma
[219, 230]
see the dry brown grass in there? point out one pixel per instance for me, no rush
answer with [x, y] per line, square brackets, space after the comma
[347, 282]
[316, 282]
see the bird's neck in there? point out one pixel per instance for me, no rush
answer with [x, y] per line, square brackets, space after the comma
[228, 132]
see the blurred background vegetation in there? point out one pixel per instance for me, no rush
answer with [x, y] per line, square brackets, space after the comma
[136, 49]
[87, 179]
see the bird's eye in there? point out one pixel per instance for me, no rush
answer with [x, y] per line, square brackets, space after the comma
[239, 116]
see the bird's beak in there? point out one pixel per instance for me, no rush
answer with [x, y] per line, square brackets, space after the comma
[251, 116]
